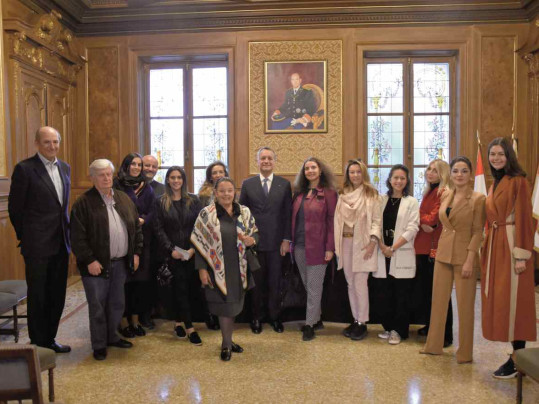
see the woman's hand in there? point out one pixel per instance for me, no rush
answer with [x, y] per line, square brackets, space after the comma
[191, 252]
[136, 262]
[141, 221]
[176, 255]
[369, 250]
[328, 256]
[426, 228]
[205, 277]
[467, 269]
[247, 240]
[386, 250]
[520, 266]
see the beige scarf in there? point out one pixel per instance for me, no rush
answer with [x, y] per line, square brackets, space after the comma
[351, 206]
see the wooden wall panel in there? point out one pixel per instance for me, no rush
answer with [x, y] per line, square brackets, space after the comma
[103, 103]
[12, 266]
[497, 87]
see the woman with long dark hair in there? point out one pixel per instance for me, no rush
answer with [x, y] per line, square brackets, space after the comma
[358, 227]
[137, 301]
[426, 244]
[507, 273]
[175, 216]
[313, 209]
[392, 281]
[222, 233]
[462, 214]
[214, 171]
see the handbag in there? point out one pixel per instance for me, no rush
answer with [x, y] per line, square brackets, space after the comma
[164, 276]
[293, 294]
[252, 259]
[432, 252]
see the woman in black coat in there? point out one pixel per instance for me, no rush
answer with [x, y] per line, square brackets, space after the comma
[137, 301]
[175, 215]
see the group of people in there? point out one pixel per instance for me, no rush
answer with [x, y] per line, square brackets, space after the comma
[388, 245]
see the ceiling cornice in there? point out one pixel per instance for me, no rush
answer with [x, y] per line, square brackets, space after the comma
[112, 17]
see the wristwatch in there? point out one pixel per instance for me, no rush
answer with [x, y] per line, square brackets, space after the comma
[392, 250]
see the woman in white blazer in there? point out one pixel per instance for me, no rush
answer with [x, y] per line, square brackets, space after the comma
[392, 281]
[358, 221]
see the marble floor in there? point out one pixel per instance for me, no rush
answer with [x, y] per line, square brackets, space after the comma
[275, 368]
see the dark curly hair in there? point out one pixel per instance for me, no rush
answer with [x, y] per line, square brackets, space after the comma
[301, 184]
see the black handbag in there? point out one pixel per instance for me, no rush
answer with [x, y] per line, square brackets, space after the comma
[164, 276]
[252, 259]
[293, 291]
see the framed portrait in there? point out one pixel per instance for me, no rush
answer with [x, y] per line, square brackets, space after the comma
[296, 96]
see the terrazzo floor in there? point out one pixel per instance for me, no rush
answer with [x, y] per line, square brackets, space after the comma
[275, 368]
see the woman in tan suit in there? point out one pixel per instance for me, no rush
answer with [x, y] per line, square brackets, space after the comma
[462, 213]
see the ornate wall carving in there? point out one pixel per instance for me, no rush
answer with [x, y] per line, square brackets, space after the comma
[292, 148]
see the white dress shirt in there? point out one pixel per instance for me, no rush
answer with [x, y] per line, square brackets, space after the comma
[54, 173]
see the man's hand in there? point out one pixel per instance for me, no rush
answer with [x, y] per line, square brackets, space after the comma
[136, 262]
[95, 268]
[285, 247]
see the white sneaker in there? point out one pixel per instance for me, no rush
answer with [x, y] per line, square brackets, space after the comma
[384, 335]
[394, 338]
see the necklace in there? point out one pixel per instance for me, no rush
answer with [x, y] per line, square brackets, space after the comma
[394, 201]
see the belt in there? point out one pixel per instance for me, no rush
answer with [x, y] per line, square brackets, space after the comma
[347, 235]
[117, 259]
[494, 226]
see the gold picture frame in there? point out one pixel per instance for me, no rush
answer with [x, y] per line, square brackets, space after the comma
[295, 96]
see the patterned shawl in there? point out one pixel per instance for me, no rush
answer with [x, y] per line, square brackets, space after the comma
[206, 237]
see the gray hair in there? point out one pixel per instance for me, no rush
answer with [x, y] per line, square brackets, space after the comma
[100, 164]
[265, 148]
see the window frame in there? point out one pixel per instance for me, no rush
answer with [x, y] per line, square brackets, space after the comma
[408, 107]
[188, 118]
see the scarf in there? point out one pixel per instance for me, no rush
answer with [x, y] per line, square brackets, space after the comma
[206, 237]
[351, 205]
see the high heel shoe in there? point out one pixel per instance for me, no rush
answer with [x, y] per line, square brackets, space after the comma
[226, 354]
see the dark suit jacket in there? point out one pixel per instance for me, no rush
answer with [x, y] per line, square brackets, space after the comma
[272, 214]
[41, 222]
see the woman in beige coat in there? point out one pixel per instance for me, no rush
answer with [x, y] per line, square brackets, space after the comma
[462, 214]
[358, 221]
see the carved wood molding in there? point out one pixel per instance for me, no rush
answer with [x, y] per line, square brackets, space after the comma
[46, 46]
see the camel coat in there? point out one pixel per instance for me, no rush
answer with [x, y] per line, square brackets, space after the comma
[508, 299]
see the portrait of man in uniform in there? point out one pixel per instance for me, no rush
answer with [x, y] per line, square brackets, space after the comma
[295, 97]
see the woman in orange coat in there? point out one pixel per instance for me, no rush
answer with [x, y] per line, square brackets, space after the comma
[507, 281]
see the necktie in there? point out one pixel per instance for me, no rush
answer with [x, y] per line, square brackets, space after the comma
[265, 187]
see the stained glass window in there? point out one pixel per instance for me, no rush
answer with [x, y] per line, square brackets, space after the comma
[408, 117]
[193, 139]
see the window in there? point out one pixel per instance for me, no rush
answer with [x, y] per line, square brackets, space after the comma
[410, 104]
[187, 117]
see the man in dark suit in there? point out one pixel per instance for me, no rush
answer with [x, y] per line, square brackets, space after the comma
[38, 201]
[269, 198]
[297, 109]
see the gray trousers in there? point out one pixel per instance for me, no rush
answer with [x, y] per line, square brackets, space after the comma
[106, 303]
[313, 280]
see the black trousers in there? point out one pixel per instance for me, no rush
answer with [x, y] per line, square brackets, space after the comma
[184, 290]
[266, 295]
[423, 289]
[137, 298]
[46, 278]
[392, 302]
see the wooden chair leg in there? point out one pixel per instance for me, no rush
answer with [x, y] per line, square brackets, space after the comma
[519, 388]
[51, 385]
[15, 324]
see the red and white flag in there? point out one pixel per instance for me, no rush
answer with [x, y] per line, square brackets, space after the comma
[479, 184]
[535, 204]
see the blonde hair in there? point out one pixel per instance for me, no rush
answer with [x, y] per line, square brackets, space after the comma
[370, 190]
[442, 168]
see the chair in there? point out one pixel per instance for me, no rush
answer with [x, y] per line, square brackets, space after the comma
[12, 292]
[318, 116]
[20, 366]
[526, 363]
